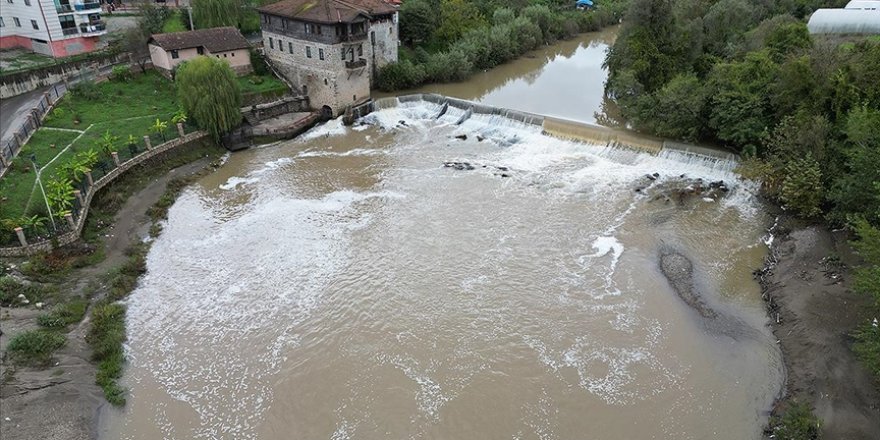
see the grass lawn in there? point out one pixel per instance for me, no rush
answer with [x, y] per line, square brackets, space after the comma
[146, 94]
[254, 86]
[123, 108]
[174, 23]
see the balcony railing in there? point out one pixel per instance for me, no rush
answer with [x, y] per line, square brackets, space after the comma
[93, 27]
[354, 37]
[69, 31]
[61, 9]
[355, 64]
[87, 6]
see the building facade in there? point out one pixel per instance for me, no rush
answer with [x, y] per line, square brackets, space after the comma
[57, 28]
[330, 50]
[169, 50]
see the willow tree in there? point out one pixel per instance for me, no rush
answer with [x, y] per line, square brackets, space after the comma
[210, 94]
[216, 13]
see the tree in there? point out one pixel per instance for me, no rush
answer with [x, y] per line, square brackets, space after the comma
[802, 186]
[418, 20]
[152, 17]
[216, 13]
[135, 42]
[210, 94]
[676, 110]
[456, 18]
[856, 192]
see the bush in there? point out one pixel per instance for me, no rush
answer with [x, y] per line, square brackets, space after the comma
[797, 423]
[802, 186]
[258, 61]
[63, 315]
[34, 347]
[400, 75]
[106, 337]
[87, 89]
[121, 74]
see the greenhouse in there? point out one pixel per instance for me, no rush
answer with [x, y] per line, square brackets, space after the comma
[845, 21]
[871, 5]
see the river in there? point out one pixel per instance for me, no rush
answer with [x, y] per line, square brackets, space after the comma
[348, 285]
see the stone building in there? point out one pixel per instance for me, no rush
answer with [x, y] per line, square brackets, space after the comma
[330, 49]
[227, 43]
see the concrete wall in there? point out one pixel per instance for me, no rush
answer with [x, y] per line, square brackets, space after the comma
[259, 112]
[17, 83]
[327, 82]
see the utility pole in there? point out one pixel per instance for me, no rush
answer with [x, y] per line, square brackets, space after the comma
[189, 11]
[39, 172]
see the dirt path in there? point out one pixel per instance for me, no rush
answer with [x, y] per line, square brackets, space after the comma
[62, 402]
[817, 311]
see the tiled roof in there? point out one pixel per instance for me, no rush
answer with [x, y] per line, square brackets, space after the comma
[328, 11]
[220, 39]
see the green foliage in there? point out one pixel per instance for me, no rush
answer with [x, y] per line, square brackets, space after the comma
[797, 423]
[210, 94]
[456, 18]
[258, 62]
[121, 74]
[418, 21]
[106, 336]
[216, 13]
[503, 16]
[10, 288]
[87, 90]
[34, 347]
[856, 191]
[63, 315]
[802, 186]
[159, 127]
[59, 193]
[179, 117]
[107, 143]
[677, 110]
[153, 17]
[400, 75]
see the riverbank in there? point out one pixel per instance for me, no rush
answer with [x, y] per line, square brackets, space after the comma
[806, 283]
[62, 400]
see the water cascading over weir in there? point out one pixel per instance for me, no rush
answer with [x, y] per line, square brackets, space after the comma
[560, 128]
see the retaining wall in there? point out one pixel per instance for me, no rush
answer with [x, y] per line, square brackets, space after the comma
[16, 83]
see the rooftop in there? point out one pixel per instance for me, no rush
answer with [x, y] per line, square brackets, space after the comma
[845, 21]
[220, 39]
[328, 11]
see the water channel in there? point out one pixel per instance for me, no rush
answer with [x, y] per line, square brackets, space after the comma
[348, 285]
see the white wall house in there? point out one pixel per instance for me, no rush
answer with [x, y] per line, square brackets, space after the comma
[330, 49]
[56, 28]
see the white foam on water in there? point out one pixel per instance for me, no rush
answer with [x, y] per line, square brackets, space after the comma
[333, 127]
[255, 176]
[352, 152]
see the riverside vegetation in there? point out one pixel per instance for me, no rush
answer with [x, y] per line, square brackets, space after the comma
[803, 110]
[448, 40]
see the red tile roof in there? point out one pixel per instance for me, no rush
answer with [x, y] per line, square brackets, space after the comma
[328, 11]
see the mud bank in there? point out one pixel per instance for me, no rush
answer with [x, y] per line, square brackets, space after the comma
[805, 283]
[62, 401]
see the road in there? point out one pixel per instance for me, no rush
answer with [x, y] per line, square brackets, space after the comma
[14, 111]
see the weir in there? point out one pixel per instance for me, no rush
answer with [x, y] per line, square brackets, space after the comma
[560, 128]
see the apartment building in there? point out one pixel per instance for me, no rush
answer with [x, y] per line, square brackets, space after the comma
[57, 28]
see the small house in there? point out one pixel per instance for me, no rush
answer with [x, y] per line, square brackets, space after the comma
[169, 50]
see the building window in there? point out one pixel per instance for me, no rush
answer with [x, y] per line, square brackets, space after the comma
[290, 47]
[308, 52]
[175, 54]
[271, 43]
[312, 28]
[34, 24]
[17, 22]
[2, 24]
[326, 82]
[281, 45]
[321, 54]
[224, 55]
[9, 1]
[26, 2]
[232, 54]
[200, 50]
[360, 50]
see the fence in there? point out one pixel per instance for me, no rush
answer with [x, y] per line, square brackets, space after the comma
[68, 228]
[20, 135]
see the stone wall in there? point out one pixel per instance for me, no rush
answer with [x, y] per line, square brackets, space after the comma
[325, 81]
[70, 237]
[260, 112]
[15, 84]
[384, 40]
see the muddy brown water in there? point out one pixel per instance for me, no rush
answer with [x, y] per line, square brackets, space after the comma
[347, 285]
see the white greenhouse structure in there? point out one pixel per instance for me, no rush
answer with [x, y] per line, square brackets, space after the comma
[869, 5]
[860, 19]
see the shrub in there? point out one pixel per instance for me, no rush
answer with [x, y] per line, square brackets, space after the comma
[121, 74]
[86, 89]
[34, 347]
[106, 337]
[63, 315]
[797, 423]
[400, 75]
[258, 61]
[802, 186]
